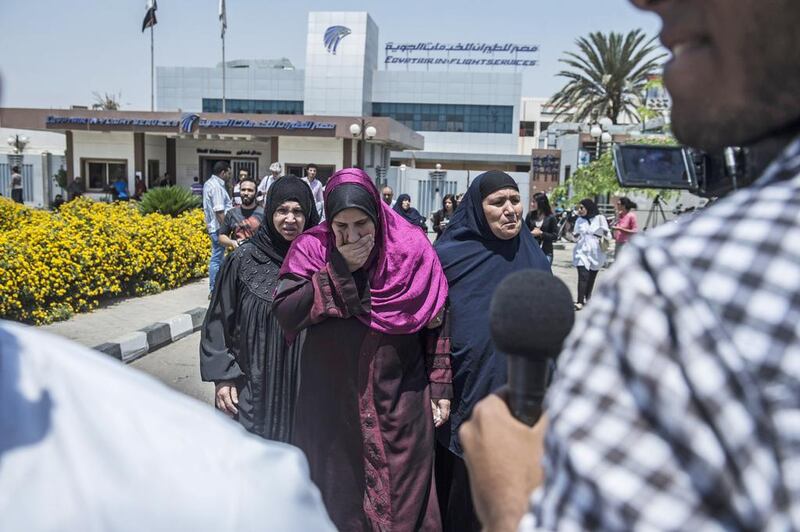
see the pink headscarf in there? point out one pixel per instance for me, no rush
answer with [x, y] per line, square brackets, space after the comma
[406, 281]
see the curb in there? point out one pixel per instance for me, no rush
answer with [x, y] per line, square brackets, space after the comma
[135, 345]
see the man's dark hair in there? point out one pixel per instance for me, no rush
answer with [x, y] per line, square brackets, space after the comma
[221, 166]
[196, 179]
[248, 178]
[15, 169]
[310, 166]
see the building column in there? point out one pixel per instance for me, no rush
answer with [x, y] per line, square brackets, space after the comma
[69, 155]
[171, 163]
[347, 153]
[274, 155]
[138, 153]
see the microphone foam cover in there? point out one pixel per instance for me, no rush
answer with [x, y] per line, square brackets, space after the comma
[531, 313]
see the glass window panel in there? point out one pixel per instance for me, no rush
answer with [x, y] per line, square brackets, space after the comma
[97, 175]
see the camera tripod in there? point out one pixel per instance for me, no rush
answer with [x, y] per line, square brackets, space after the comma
[656, 210]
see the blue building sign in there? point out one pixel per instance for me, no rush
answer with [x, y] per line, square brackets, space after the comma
[461, 54]
[190, 123]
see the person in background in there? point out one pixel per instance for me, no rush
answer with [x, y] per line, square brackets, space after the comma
[120, 188]
[242, 347]
[484, 242]
[588, 255]
[197, 186]
[57, 202]
[237, 197]
[374, 372]
[140, 187]
[388, 195]
[165, 181]
[410, 214]
[626, 225]
[216, 202]
[275, 172]
[146, 458]
[75, 188]
[242, 222]
[543, 224]
[316, 187]
[16, 184]
[442, 217]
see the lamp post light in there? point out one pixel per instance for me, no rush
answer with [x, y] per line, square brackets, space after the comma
[599, 132]
[18, 142]
[364, 131]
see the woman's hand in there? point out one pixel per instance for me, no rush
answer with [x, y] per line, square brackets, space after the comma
[226, 397]
[536, 232]
[441, 412]
[356, 253]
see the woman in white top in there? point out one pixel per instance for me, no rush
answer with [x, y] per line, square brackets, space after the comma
[588, 256]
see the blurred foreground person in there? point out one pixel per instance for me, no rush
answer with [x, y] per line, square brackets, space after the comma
[242, 347]
[676, 404]
[370, 293]
[88, 444]
[483, 244]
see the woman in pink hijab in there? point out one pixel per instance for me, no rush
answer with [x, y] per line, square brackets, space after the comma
[375, 373]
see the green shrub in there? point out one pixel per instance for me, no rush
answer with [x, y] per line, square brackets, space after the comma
[171, 201]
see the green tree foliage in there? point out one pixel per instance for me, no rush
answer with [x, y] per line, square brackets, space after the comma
[608, 76]
[168, 200]
[599, 178]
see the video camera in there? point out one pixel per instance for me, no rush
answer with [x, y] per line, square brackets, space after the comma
[709, 175]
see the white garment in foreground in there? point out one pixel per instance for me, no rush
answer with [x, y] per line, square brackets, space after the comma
[87, 444]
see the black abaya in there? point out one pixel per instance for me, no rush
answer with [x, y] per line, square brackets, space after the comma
[263, 367]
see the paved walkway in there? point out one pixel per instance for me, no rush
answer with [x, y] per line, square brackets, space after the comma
[125, 316]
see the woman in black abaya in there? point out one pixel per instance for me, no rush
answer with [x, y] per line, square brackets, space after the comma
[483, 244]
[242, 347]
[410, 214]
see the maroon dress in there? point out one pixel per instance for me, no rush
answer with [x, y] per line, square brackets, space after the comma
[363, 415]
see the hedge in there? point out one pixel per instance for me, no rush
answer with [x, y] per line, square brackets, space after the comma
[55, 264]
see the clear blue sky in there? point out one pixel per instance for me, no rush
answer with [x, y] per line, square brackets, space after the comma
[56, 53]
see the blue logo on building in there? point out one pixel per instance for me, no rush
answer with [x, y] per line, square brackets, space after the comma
[190, 123]
[333, 37]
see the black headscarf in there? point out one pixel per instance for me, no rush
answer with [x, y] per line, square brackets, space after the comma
[591, 209]
[288, 188]
[411, 215]
[475, 261]
[350, 196]
[495, 180]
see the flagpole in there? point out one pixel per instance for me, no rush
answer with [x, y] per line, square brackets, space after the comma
[223, 71]
[152, 70]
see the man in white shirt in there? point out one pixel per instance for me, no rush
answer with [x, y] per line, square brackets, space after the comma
[276, 171]
[216, 202]
[316, 187]
[89, 444]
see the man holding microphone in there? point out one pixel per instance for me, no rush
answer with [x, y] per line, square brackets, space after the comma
[675, 406]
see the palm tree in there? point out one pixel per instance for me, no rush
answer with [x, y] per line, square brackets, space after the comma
[608, 76]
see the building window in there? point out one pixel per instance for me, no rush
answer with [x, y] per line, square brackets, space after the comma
[280, 107]
[448, 117]
[153, 173]
[100, 173]
[527, 129]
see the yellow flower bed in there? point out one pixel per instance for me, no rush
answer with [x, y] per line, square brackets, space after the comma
[55, 264]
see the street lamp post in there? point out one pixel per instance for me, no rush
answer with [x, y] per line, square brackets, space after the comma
[364, 131]
[18, 142]
[600, 133]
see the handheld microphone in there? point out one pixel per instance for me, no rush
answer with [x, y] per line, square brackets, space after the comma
[530, 316]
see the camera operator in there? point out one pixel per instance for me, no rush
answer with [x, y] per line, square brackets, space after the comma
[677, 404]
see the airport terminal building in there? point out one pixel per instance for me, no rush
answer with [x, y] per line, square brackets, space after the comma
[425, 117]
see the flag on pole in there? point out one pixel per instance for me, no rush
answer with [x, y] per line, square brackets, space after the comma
[223, 19]
[150, 16]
